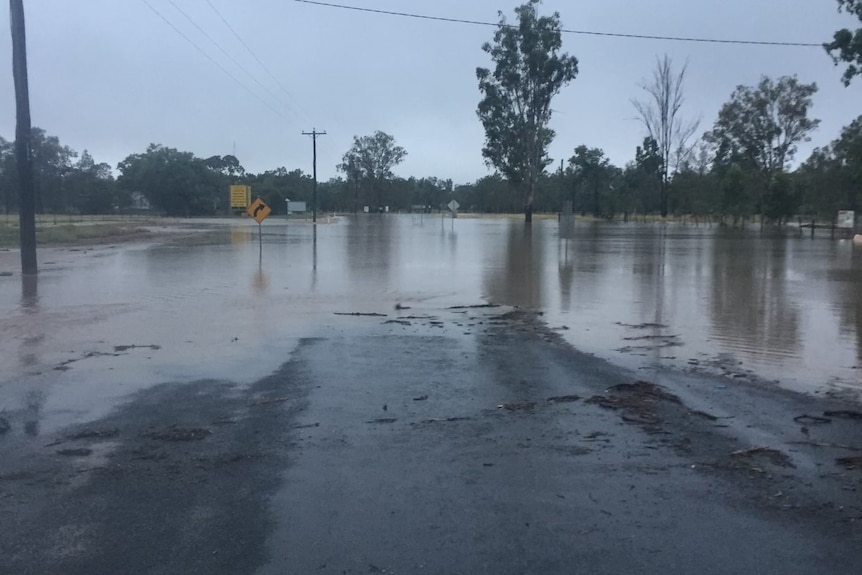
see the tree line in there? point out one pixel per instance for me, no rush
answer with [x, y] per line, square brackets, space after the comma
[738, 168]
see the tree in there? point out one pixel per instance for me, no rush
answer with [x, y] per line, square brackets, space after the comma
[515, 109]
[647, 177]
[846, 45]
[90, 186]
[8, 175]
[660, 115]
[226, 165]
[832, 176]
[176, 182]
[591, 170]
[370, 161]
[759, 129]
[52, 163]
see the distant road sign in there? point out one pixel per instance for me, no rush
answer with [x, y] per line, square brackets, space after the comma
[258, 210]
[846, 219]
[453, 206]
[240, 196]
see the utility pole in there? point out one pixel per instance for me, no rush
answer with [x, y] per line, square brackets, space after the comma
[23, 149]
[314, 133]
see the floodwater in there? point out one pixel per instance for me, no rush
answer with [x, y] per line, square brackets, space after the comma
[102, 323]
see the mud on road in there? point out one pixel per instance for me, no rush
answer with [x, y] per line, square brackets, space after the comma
[468, 440]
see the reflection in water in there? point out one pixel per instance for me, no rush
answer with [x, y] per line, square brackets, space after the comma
[518, 281]
[240, 235]
[28, 351]
[566, 270]
[750, 304]
[790, 308]
[581, 264]
[314, 258]
[260, 283]
[34, 402]
[372, 246]
[846, 280]
[30, 293]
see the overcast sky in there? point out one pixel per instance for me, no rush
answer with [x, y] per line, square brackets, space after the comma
[111, 76]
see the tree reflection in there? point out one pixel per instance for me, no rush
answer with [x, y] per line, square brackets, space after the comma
[518, 280]
[371, 247]
[848, 286]
[750, 304]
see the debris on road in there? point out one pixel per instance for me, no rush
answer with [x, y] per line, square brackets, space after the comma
[382, 420]
[811, 419]
[270, 400]
[444, 420]
[176, 433]
[645, 389]
[647, 325]
[361, 314]
[95, 434]
[120, 348]
[76, 452]
[564, 399]
[850, 463]
[420, 398]
[524, 406]
[774, 456]
[844, 413]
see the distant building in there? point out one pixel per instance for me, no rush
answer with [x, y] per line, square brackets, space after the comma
[139, 202]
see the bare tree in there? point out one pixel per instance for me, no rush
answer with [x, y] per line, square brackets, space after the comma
[660, 114]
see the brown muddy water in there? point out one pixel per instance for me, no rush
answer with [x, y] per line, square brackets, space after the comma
[101, 323]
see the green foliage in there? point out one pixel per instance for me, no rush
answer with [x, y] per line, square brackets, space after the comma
[177, 183]
[61, 185]
[592, 173]
[760, 127]
[846, 45]
[515, 109]
[831, 179]
[780, 201]
[369, 163]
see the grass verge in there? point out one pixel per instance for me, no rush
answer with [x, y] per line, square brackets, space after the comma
[70, 234]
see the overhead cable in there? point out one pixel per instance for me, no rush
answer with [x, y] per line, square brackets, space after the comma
[567, 30]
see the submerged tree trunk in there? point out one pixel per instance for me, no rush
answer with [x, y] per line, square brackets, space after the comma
[528, 202]
[664, 198]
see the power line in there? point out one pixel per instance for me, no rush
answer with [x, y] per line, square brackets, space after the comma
[567, 31]
[314, 133]
[211, 59]
[223, 51]
[258, 60]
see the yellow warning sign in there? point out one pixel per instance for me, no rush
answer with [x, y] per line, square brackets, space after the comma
[240, 196]
[258, 210]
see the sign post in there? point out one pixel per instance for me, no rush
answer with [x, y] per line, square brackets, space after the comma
[846, 219]
[453, 207]
[259, 211]
[240, 197]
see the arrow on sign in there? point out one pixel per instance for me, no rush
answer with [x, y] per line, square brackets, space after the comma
[258, 209]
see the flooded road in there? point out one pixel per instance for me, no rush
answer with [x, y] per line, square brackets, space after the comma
[645, 296]
[334, 401]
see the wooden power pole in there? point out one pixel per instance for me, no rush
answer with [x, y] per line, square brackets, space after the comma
[314, 133]
[23, 148]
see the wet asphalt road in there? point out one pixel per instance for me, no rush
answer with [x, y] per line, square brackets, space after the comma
[381, 448]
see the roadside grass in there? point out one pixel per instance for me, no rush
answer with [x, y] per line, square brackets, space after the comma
[50, 234]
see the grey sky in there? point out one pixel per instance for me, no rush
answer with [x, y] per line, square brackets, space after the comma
[112, 77]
